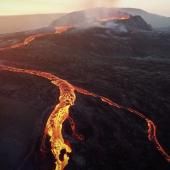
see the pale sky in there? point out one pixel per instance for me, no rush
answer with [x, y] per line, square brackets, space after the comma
[16, 7]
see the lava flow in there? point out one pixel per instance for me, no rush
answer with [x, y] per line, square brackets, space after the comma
[61, 113]
[66, 100]
[29, 39]
[58, 116]
[61, 29]
[113, 18]
[152, 130]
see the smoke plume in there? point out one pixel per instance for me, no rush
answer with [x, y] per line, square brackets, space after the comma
[99, 3]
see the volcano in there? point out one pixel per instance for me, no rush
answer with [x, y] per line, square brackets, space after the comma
[94, 93]
[113, 19]
[88, 17]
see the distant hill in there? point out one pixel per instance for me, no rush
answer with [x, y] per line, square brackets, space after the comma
[156, 21]
[10, 24]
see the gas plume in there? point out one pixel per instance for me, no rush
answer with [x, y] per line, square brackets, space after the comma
[99, 3]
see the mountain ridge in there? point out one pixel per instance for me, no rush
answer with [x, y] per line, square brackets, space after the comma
[155, 20]
[20, 23]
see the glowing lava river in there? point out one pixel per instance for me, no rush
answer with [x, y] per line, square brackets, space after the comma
[67, 99]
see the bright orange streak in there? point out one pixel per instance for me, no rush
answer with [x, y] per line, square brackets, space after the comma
[61, 29]
[28, 40]
[61, 111]
[152, 136]
[152, 130]
[73, 127]
[113, 18]
[66, 100]
[58, 115]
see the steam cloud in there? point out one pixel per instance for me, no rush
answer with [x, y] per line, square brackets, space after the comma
[99, 3]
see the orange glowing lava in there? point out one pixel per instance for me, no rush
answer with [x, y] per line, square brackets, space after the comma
[66, 100]
[104, 19]
[152, 130]
[29, 39]
[58, 116]
[61, 29]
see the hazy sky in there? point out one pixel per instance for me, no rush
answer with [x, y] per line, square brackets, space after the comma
[10, 7]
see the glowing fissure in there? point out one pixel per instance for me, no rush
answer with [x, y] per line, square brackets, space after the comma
[66, 100]
[28, 40]
[61, 29]
[58, 116]
[113, 18]
[152, 130]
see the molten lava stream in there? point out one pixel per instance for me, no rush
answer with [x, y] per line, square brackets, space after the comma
[29, 39]
[61, 113]
[58, 115]
[61, 29]
[66, 100]
[125, 17]
[152, 130]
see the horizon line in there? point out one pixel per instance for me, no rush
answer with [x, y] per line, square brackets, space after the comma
[67, 12]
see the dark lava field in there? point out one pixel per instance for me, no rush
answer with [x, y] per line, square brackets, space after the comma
[130, 68]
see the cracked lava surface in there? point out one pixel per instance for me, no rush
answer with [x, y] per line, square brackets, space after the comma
[67, 99]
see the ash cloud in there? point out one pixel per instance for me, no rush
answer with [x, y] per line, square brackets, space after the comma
[99, 3]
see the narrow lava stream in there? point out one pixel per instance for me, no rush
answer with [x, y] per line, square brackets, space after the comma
[67, 99]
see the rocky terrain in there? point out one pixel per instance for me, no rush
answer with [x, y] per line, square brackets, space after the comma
[132, 24]
[12, 24]
[25, 103]
[130, 67]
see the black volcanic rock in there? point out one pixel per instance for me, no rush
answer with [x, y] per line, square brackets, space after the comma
[130, 68]
[157, 21]
[134, 23]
